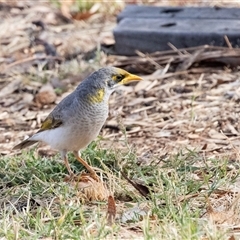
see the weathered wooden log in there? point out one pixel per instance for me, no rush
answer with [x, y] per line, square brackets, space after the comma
[146, 31]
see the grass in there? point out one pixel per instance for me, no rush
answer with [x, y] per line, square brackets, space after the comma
[83, 6]
[36, 203]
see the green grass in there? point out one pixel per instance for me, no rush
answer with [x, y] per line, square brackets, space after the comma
[36, 203]
[79, 5]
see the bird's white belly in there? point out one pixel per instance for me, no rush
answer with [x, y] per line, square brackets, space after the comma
[68, 138]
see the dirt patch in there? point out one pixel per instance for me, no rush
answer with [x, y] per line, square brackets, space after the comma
[43, 57]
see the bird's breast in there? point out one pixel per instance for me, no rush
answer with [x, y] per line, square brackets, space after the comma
[80, 127]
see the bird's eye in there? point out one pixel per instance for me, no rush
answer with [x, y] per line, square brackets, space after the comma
[118, 78]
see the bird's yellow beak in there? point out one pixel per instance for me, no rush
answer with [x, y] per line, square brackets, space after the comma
[131, 78]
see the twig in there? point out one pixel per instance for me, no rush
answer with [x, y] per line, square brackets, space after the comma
[31, 59]
[175, 49]
[227, 41]
[149, 59]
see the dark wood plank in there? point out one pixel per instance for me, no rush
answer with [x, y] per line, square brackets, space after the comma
[150, 35]
[134, 11]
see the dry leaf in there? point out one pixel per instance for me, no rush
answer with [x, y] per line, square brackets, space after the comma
[82, 15]
[222, 217]
[142, 189]
[10, 87]
[111, 210]
[142, 85]
[45, 96]
[89, 188]
[215, 134]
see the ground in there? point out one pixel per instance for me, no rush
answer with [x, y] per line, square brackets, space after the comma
[174, 135]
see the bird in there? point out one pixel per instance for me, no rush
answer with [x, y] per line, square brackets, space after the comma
[77, 120]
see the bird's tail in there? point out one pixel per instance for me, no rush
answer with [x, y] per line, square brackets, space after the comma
[26, 143]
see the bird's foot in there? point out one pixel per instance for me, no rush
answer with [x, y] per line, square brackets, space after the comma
[94, 176]
[92, 173]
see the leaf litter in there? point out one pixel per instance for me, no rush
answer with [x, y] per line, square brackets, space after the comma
[189, 99]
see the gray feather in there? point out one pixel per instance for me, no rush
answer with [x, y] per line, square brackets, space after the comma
[24, 144]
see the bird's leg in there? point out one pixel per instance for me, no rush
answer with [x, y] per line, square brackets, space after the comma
[66, 163]
[86, 165]
[68, 166]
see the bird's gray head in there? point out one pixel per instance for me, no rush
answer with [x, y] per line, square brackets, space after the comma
[111, 77]
[102, 83]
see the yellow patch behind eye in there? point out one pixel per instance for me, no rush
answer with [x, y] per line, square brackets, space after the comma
[97, 97]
